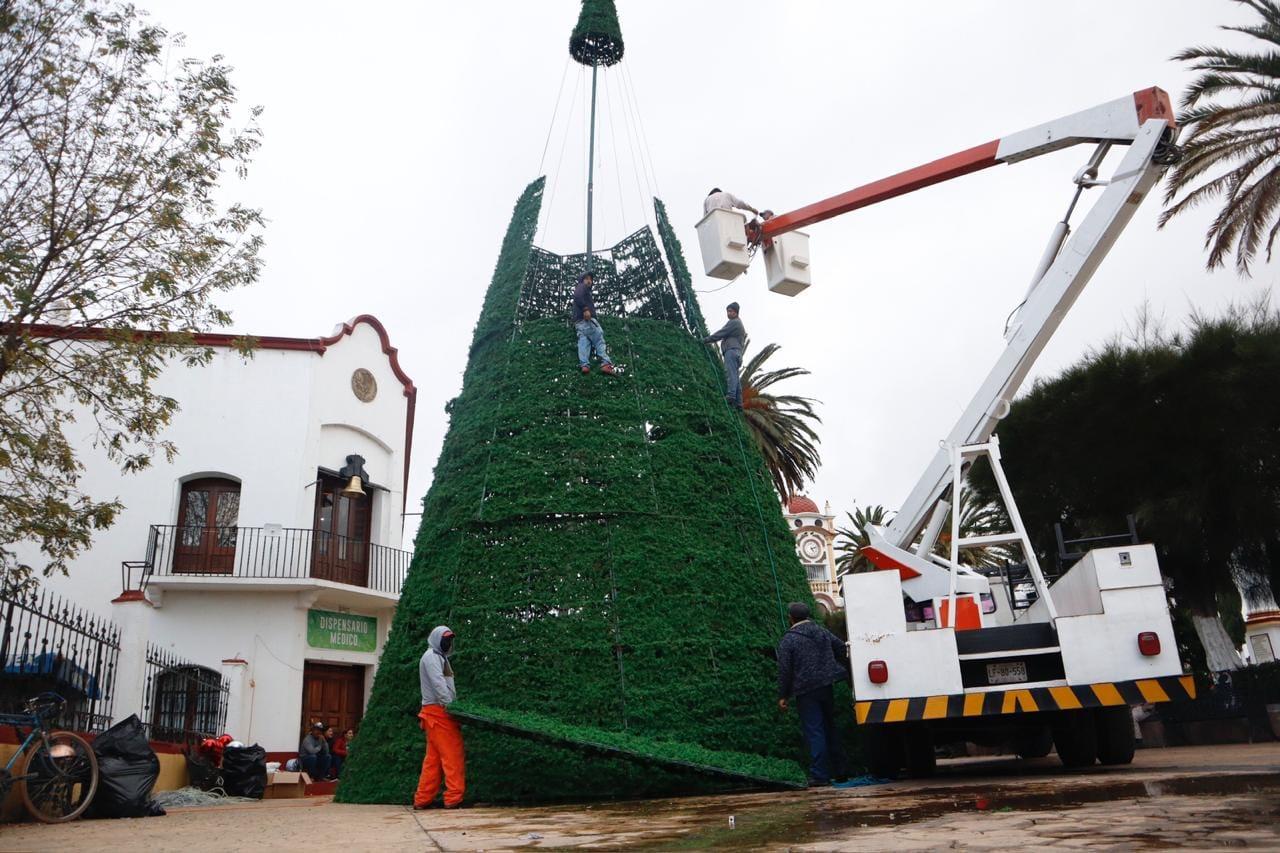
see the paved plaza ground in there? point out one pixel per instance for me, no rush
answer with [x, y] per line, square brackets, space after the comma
[1219, 796]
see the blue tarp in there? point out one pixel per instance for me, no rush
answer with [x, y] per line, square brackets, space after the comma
[63, 671]
[861, 782]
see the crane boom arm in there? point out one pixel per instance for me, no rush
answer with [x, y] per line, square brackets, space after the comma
[1143, 122]
[1115, 121]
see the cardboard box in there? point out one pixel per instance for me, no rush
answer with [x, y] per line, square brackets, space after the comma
[283, 785]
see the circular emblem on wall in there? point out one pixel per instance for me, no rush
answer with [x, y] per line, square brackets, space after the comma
[363, 385]
[811, 548]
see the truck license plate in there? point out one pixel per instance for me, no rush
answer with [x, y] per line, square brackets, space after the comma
[1009, 672]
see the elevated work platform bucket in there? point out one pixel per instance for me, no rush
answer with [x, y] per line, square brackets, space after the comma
[786, 263]
[722, 235]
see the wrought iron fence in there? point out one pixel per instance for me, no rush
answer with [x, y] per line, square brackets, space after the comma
[272, 552]
[183, 701]
[51, 644]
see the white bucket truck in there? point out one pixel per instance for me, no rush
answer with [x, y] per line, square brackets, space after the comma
[930, 662]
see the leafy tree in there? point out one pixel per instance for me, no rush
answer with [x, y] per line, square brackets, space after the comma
[110, 222]
[1231, 152]
[852, 539]
[1179, 429]
[780, 424]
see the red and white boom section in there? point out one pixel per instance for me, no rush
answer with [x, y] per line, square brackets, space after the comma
[1145, 123]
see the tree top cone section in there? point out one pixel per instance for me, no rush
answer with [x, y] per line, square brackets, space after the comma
[597, 39]
[608, 550]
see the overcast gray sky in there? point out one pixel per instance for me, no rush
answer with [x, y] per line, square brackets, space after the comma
[398, 136]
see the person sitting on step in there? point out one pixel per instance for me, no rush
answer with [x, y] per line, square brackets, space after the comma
[313, 753]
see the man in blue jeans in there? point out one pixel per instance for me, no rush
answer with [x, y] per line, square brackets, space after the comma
[590, 333]
[733, 339]
[808, 664]
[313, 752]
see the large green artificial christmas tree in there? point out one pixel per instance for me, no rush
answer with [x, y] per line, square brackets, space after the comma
[608, 550]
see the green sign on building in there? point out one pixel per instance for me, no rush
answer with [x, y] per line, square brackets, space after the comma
[346, 632]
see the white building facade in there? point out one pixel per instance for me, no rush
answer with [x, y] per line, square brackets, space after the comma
[266, 557]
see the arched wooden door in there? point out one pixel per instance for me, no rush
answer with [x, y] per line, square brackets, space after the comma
[207, 519]
[342, 526]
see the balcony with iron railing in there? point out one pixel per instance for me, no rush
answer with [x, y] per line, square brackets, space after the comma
[265, 558]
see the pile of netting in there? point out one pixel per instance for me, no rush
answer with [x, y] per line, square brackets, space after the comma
[608, 550]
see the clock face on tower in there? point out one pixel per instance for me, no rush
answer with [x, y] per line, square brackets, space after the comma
[812, 549]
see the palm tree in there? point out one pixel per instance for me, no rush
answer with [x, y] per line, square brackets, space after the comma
[852, 539]
[1232, 150]
[978, 518]
[781, 424]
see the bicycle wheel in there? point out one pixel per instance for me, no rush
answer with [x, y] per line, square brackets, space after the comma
[62, 777]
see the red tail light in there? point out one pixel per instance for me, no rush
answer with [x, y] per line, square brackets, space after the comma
[878, 672]
[1149, 643]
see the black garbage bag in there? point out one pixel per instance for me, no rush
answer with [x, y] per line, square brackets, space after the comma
[202, 773]
[244, 770]
[127, 771]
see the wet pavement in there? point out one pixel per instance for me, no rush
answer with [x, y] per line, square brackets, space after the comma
[1223, 796]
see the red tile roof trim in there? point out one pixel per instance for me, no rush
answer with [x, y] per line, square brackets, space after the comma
[800, 503]
[393, 356]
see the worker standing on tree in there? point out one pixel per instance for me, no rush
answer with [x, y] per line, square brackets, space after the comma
[444, 736]
[718, 199]
[733, 339]
[808, 664]
[590, 332]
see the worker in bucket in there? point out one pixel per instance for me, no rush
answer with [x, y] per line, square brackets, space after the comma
[590, 332]
[718, 199]
[444, 761]
[733, 339]
[808, 664]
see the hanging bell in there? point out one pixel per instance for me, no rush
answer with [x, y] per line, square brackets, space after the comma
[353, 489]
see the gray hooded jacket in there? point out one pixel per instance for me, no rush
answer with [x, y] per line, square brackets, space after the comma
[435, 673]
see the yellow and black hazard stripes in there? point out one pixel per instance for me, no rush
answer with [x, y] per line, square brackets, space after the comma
[1027, 700]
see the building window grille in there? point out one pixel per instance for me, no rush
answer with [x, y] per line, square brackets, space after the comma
[185, 702]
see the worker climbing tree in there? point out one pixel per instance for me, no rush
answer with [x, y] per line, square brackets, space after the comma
[614, 551]
[587, 324]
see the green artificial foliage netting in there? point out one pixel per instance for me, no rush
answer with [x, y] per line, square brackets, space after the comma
[608, 550]
[679, 272]
[597, 38]
[652, 752]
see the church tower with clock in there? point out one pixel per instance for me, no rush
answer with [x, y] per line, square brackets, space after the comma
[815, 533]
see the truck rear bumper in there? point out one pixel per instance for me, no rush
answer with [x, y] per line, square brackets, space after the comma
[1026, 700]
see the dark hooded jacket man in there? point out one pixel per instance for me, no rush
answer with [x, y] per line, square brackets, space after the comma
[808, 664]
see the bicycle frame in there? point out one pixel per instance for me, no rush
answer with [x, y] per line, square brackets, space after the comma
[38, 732]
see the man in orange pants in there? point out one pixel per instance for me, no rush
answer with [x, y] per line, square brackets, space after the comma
[444, 736]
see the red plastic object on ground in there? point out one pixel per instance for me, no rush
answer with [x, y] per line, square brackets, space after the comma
[213, 747]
